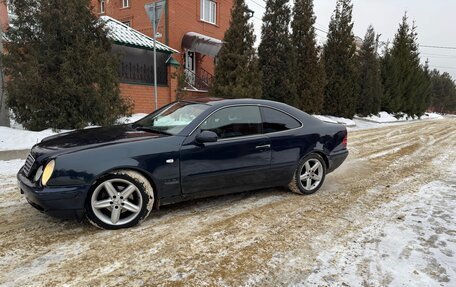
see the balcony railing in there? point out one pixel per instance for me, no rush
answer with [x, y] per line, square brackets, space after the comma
[200, 81]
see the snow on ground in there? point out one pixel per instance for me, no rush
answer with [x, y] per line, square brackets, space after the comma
[133, 118]
[384, 218]
[336, 120]
[384, 117]
[10, 167]
[363, 125]
[432, 116]
[347, 122]
[412, 243]
[325, 119]
[17, 139]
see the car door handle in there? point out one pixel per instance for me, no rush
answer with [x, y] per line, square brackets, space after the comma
[266, 146]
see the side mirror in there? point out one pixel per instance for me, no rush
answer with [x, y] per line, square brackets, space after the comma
[207, 137]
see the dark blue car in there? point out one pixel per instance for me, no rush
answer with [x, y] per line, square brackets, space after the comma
[188, 149]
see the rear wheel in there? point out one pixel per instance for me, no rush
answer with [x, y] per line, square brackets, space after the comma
[119, 200]
[309, 175]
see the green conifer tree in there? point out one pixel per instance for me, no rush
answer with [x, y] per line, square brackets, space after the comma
[237, 74]
[406, 88]
[276, 55]
[443, 93]
[424, 90]
[309, 70]
[341, 63]
[61, 72]
[370, 81]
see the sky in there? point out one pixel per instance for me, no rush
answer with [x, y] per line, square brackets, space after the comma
[435, 20]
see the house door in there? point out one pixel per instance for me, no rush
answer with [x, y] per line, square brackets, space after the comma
[190, 67]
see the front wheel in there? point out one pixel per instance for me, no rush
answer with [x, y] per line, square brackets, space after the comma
[119, 200]
[309, 175]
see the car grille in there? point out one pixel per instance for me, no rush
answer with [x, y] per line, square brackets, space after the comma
[27, 168]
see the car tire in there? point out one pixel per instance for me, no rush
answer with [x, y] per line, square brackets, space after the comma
[120, 199]
[309, 175]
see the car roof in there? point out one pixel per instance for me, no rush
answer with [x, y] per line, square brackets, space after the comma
[224, 102]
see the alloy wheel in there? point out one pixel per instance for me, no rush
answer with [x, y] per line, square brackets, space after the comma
[116, 201]
[311, 174]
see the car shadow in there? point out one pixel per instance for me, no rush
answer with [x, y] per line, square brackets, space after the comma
[221, 201]
[167, 212]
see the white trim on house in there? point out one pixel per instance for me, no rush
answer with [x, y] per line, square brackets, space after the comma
[208, 11]
[102, 6]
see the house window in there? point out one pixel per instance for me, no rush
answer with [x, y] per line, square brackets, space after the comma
[102, 6]
[209, 11]
[125, 3]
[10, 6]
[136, 66]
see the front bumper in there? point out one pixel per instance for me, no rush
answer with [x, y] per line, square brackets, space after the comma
[336, 159]
[61, 202]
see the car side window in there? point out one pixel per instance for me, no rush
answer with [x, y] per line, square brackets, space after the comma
[234, 122]
[276, 121]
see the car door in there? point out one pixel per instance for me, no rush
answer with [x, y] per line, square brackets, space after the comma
[238, 161]
[281, 128]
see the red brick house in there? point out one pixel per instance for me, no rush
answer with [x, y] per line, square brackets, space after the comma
[190, 31]
[6, 12]
[195, 28]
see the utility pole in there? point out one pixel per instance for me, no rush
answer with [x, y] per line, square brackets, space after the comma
[4, 113]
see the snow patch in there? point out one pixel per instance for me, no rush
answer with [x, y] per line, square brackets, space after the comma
[16, 139]
[336, 120]
[10, 167]
[410, 244]
[131, 119]
[384, 117]
[325, 119]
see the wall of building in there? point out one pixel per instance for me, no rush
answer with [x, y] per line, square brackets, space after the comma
[183, 16]
[143, 95]
[3, 15]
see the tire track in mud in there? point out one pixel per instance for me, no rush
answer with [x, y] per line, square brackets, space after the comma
[243, 239]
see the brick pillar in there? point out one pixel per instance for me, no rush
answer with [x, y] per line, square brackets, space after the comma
[173, 82]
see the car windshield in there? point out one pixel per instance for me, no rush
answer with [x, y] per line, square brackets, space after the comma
[171, 119]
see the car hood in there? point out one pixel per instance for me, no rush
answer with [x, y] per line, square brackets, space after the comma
[90, 138]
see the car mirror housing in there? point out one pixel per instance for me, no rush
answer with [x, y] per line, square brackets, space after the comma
[207, 137]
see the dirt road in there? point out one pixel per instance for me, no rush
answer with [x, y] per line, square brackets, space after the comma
[265, 238]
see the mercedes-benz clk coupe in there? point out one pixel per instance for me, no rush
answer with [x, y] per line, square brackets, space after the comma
[188, 149]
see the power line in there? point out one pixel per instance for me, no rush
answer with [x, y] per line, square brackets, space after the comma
[317, 27]
[320, 26]
[321, 30]
[438, 57]
[442, 55]
[257, 18]
[440, 67]
[258, 4]
[438, 47]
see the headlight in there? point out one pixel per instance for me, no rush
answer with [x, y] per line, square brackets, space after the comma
[47, 173]
[38, 174]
